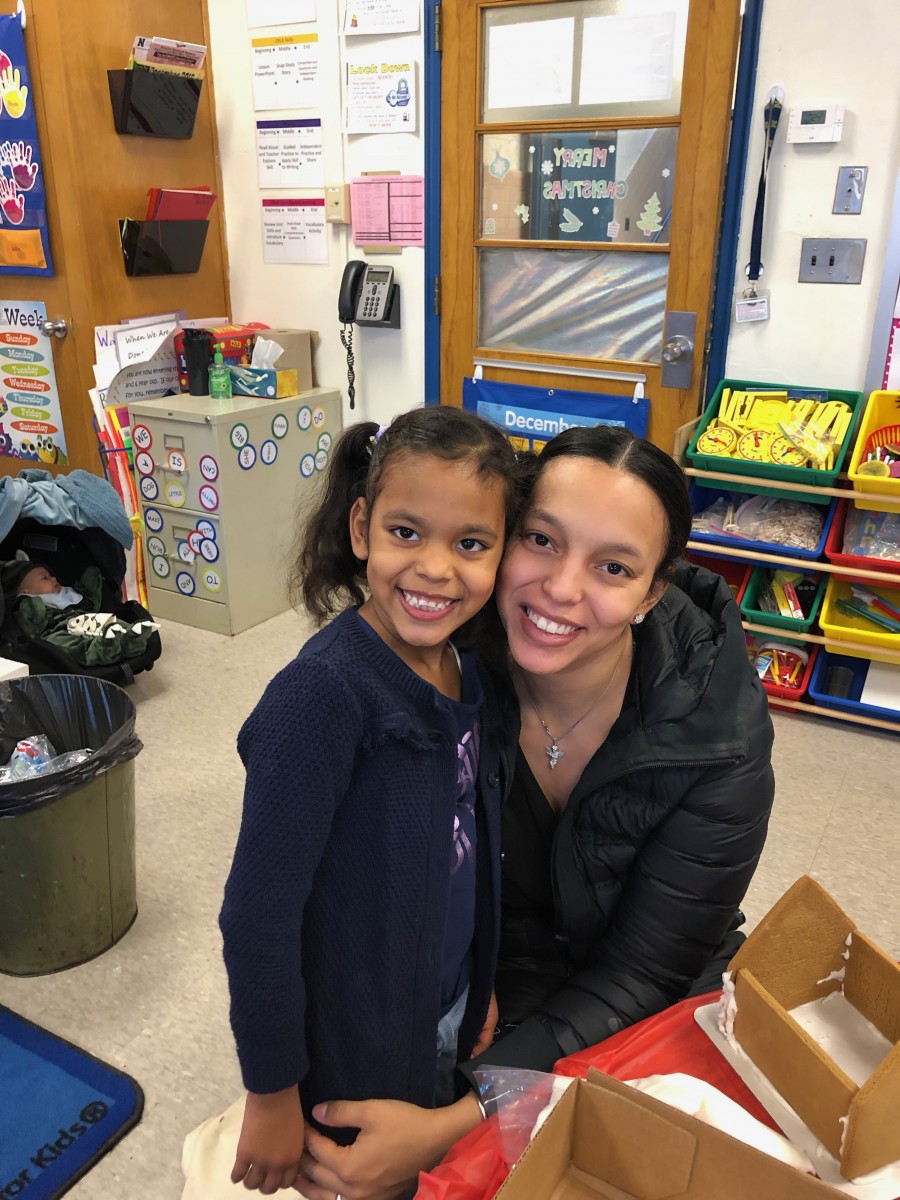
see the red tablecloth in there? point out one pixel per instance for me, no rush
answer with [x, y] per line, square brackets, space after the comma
[669, 1042]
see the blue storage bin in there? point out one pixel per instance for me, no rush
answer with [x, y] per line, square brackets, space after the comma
[703, 497]
[860, 668]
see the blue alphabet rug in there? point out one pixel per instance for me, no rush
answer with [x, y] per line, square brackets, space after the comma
[60, 1110]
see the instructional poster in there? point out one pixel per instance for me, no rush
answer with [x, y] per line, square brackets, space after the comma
[380, 95]
[289, 153]
[31, 425]
[294, 231]
[286, 71]
[24, 240]
[279, 12]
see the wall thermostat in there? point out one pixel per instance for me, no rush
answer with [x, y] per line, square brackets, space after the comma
[816, 124]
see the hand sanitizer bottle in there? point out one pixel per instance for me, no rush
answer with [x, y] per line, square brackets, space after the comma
[219, 377]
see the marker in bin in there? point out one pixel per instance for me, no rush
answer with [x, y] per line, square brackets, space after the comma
[780, 664]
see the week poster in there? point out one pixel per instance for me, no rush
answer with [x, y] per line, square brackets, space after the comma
[24, 239]
[31, 425]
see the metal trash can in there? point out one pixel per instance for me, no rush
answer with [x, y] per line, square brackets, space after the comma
[67, 859]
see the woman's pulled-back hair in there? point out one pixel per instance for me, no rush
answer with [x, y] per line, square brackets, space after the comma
[327, 576]
[623, 450]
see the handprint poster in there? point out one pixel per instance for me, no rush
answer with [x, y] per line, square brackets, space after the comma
[24, 240]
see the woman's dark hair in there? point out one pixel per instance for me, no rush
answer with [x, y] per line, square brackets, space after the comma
[327, 576]
[623, 450]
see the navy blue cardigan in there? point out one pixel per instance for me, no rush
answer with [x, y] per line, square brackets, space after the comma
[335, 906]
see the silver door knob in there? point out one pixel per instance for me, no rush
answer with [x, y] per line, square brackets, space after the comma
[677, 348]
[57, 328]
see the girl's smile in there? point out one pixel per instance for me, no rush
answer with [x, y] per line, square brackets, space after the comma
[432, 544]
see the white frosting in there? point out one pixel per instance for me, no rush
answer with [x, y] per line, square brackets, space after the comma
[844, 1123]
[727, 1008]
[838, 974]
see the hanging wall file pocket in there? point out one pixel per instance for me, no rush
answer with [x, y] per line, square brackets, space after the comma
[154, 103]
[162, 247]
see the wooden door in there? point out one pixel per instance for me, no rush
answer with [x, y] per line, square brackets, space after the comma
[537, 98]
[94, 176]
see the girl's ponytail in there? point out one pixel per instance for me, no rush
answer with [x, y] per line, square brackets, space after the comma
[327, 574]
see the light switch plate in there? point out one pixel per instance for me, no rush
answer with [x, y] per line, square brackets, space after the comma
[832, 260]
[850, 189]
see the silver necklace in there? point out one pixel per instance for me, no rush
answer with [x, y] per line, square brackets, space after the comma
[553, 752]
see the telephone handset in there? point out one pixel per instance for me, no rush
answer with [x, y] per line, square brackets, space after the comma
[365, 293]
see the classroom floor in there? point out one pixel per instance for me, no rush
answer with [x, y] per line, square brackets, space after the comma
[156, 1003]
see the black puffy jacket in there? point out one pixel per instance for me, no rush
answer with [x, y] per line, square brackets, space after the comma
[660, 838]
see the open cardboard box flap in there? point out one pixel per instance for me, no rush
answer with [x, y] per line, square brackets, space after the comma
[606, 1139]
[796, 955]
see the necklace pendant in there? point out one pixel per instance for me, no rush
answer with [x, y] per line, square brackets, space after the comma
[554, 754]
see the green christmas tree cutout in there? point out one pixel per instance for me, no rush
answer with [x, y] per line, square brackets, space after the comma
[649, 219]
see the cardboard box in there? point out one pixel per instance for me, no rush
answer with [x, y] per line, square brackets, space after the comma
[271, 384]
[797, 954]
[606, 1139]
[298, 349]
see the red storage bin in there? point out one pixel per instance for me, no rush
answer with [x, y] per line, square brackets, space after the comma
[777, 691]
[834, 552]
[735, 571]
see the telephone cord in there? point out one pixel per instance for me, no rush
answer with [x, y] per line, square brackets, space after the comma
[347, 343]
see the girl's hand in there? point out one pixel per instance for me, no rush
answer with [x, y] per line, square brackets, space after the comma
[396, 1141]
[486, 1037]
[271, 1141]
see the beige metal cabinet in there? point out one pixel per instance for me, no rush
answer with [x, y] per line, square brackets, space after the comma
[221, 484]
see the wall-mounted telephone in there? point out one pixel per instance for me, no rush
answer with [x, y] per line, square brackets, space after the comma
[365, 294]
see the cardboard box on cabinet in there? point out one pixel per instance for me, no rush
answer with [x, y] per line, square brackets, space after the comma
[604, 1139]
[804, 949]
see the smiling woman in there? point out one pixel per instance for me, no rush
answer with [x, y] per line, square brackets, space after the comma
[637, 788]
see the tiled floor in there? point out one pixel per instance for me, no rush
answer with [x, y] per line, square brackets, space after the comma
[156, 1004]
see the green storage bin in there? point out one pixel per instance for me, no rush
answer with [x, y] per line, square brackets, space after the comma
[67, 847]
[757, 472]
[758, 616]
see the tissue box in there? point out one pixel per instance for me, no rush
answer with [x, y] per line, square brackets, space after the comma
[268, 382]
[604, 1139]
[800, 952]
[297, 355]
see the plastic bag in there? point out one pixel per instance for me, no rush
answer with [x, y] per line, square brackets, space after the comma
[785, 522]
[872, 534]
[36, 756]
[73, 711]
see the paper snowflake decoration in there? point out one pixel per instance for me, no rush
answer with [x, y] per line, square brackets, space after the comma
[666, 172]
[547, 166]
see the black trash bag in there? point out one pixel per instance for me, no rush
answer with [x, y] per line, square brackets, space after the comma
[74, 712]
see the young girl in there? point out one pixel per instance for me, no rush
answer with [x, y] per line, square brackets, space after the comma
[361, 912]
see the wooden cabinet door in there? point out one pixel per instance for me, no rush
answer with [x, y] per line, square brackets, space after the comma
[94, 176]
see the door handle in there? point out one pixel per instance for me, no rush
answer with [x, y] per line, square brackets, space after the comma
[678, 349]
[58, 328]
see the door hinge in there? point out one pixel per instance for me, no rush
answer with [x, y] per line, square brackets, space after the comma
[437, 295]
[438, 29]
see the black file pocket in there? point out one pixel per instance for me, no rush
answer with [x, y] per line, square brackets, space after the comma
[162, 247]
[154, 103]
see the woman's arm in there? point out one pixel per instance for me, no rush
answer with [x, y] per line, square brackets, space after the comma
[679, 901]
[396, 1141]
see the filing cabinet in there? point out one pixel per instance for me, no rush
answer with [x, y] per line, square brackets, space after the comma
[221, 484]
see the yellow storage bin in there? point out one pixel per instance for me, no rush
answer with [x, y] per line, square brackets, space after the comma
[841, 627]
[882, 412]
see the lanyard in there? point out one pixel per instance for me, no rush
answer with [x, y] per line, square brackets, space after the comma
[771, 116]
